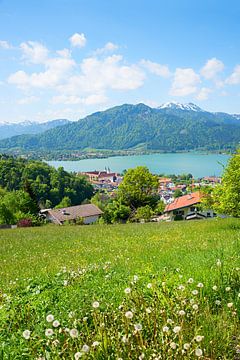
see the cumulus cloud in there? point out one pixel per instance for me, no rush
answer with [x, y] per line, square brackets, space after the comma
[93, 99]
[34, 52]
[28, 100]
[78, 40]
[98, 75]
[185, 82]
[212, 68]
[203, 94]
[108, 47]
[5, 45]
[155, 68]
[234, 78]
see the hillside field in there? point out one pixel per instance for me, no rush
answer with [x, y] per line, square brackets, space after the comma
[134, 291]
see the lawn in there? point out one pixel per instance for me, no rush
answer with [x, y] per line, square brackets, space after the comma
[134, 291]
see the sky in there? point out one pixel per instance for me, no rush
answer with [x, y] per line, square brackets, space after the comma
[70, 58]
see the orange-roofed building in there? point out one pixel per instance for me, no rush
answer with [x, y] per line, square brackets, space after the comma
[187, 208]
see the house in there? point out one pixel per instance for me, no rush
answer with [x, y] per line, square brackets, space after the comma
[103, 176]
[187, 208]
[89, 213]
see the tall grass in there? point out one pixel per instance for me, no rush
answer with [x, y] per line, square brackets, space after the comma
[153, 291]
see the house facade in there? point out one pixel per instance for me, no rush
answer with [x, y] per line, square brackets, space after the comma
[187, 207]
[89, 214]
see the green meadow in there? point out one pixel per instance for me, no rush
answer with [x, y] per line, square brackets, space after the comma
[134, 291]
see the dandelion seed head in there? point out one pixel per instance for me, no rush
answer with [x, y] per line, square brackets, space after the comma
[218, 302]
[73, 333]
[198, 352]
[50, 318]
[56, 323]
[129, 315]
[195, 307]
[138, 327]
[229, 305]
[190, 281]
[214, 288]
[149, 285]
[95, 343]
[95, 304]
[78, 355]
[200, 285]
[49, 332]
[85, 348]
[176, 329]
[228, 288]
[195, 292]
[148, 310]
[165, 329]
[26, 334]
[127, 290]
[173, 345]
[186, 346]
[199, 338]
[181, 313]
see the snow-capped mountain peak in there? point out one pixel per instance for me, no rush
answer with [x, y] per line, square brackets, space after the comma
[178, 106]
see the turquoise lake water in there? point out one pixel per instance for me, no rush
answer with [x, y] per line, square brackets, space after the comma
[198, 165]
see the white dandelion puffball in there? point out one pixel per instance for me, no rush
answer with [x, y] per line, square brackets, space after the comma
[127, 291]
[56, 323]
[200, 285]
[138, 327]
[26, 334]
[198, 352]
[124, 339]
[135, 278]
[50, 318]
[95, 304]
[149, 285]
[85, 348]
[78, 355]
[95, 343]
[190, 281]
[173, 345]
[129, 315]
[49, 332]
[195, 307]
[199, 338]
[181, 312]
[194, 292]
[229, 305]
[214, 288]
[176, 329]
[73, 333]
[165, 329]
[186, 346]
[148, 310]
[228, 288]
[217, 302]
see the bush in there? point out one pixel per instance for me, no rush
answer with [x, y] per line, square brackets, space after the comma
[24, 223]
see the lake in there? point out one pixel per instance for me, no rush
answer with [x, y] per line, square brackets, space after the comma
[198, 165]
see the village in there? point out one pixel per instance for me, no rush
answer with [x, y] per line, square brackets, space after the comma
[181, 196]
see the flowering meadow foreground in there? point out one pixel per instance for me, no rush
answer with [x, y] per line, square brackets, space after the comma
[135, 291]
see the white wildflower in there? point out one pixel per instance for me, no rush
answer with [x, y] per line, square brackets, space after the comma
[142, 356]
[217, 302]
[149, 285]
[170, 321]
[129, 315]
[228, 288]
[165, 329]
[176, 329]
[199, 338]
[78, 355]
[65, 283]
[148, 310]
[214, 288]
[195, 307]
[85, 348]
[173, 345]
[135, 278]
[194, 292]
[95, 304]
[127, 291]
[49, 332]
[218, 263]
[181, 313]
[26, 334]
[73, 333]
[124, 339]
[95, 343]
[138, 327]
[186, 346]
[198, 352]
[56, 323]
[190, 281]
[181, 287]
[200, 285]
[229, 305]
[50, 318]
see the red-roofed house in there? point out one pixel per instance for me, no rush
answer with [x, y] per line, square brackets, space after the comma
[187, 208]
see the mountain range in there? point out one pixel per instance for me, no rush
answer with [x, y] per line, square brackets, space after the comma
[170, 127]
[28, 127]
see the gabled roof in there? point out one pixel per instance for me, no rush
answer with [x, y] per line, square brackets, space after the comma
[184, 201]
[74, 212]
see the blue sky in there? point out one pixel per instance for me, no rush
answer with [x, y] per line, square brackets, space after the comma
[69, 58]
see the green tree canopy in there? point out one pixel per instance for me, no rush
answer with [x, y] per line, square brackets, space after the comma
[227, 195]
[138, 188]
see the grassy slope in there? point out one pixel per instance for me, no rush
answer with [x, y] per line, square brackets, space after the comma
[153, 252]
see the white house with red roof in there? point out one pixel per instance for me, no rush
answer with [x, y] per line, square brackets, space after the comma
[187, 207]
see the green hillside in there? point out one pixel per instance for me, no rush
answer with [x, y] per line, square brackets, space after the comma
[169, 290]
[131, 126]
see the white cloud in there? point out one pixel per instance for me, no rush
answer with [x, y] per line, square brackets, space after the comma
[108, 47]
[185, 82]
[212, 68]
[34, 52]
[5, 45]
[66, 53]
[93, 99]
[203, 94]
[78, 40]
[155, 68]
[97, 76]
[234, 78]
[28, 100]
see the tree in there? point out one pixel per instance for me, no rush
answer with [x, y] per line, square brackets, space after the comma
[144, 213]
[177, 193]
[65, 202]
[115, 212]
[138, 188]
[227, 195]
[159, 209]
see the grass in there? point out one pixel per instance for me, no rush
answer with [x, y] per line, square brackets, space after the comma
[63, 270]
